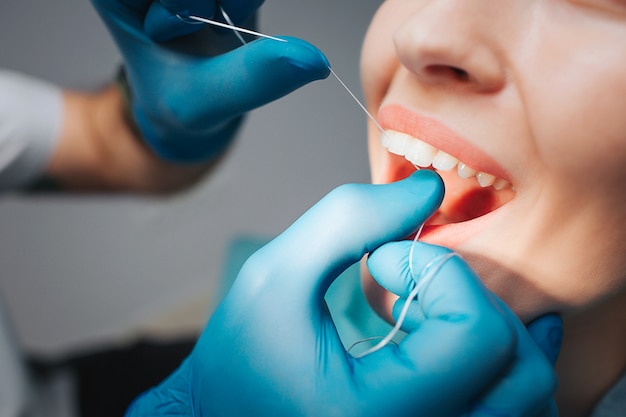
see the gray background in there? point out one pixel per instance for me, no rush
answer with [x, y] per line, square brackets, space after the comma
[79, 271]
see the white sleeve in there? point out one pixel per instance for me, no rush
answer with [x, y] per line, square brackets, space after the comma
[31, 113]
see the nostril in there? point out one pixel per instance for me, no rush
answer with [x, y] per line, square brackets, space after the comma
[448, 71]
[460, 74]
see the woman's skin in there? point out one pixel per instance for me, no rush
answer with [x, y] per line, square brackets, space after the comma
[532, 93]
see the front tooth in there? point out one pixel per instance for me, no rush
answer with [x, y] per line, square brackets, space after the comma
[444, 161]
[484, 179]
[423, 155]
[465, 171]
[395, 142]
[420, 153]
[385, 138]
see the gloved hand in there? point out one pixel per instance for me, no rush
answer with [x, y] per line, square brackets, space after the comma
[271, 348]
[189, 94]
[522, 384]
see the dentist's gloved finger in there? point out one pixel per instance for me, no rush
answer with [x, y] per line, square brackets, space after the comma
[414, 315]
[240, 10]
[228, 85]
[262, 71]
[395, 256]
[527, 386]
[350, 221]
[454, 286]
[161, 23]
[463, 344]
[223, 88]
[547, 332]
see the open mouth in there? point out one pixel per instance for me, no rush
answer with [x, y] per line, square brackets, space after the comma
[470, 194]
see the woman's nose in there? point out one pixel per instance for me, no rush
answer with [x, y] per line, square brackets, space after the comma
[447, 43]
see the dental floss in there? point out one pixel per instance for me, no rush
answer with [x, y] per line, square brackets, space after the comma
[229, 26]
[425, 277]
[369, 339]
[357, 100]
[230, 22]
[189, 22]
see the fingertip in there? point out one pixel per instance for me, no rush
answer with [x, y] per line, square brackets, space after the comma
[424, 253]
[430, 183]
[305, 56]
[269, 69]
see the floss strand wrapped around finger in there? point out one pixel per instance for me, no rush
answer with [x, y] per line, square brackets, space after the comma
[421, 280]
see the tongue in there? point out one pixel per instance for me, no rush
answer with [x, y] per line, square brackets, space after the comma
[466, 200]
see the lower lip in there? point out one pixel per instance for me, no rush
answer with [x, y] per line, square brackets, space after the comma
[454, 234]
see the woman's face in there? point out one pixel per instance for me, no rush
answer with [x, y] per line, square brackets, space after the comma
[531, 95]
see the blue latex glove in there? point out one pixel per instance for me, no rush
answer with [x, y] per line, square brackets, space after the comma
[189, 94]
[524, 382]
[271, 348]
[547, 332]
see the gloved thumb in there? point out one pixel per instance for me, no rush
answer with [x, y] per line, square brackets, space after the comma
[346, 224]
[260, 72]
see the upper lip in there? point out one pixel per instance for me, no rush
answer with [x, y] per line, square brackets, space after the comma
[435, 133]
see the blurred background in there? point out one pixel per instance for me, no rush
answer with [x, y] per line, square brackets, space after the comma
[81, 272]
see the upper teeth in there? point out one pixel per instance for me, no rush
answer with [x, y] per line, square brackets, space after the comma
[422, 154]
